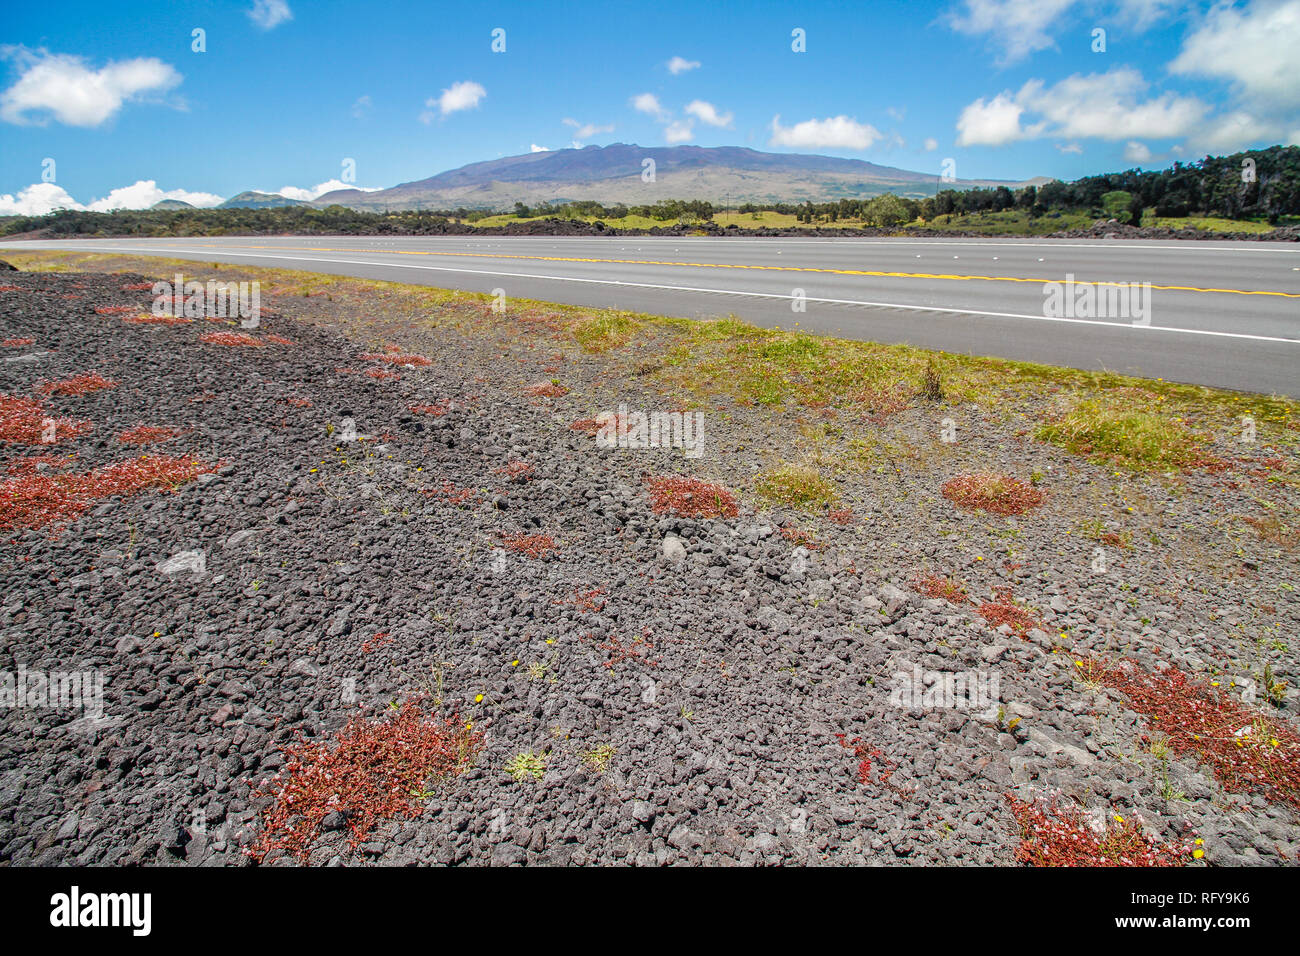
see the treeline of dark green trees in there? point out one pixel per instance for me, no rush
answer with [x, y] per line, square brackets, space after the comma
[1259, 184]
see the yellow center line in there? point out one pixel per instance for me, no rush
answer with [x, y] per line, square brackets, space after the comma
[730, 265]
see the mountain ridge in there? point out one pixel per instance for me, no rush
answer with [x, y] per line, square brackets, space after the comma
[614, 173]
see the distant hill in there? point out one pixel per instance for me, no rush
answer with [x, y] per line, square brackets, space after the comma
[255, 200]
[613, 174]
[172, 204]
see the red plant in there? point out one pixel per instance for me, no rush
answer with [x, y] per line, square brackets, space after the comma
[147, 435]
[77, 385]
[137, 287]
[800, 538]
[278, 339]
[1004, 610]
[382, 373]
[374, 771]
[586, 600]
[231, 339]
[691, 498]
[453, 495]
[934, 586]
[865, 755]
[841, 516]
[35, 464]
[297, 402]
[379, 640]
[994, 493]
[533, 545]
[148, 318]
[620, 652]
[1248, 750]
[516, 471]
[37, 500]
[437, 409]
[396, 358]
[23, 421]
[547, 390]
[115, 309]
[1051, 835]
[16, 343]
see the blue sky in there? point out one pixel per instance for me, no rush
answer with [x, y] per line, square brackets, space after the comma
[285, 92]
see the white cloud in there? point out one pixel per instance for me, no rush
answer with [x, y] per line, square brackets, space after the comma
[679, 131]
[361, 107]
[931, 144]
[320, 189]
[40, 198]
[586, 130]
[538, 149]
[1254, 48]
[145, 193]
[1105, 106]
[681, 65]
[649, 103]
[36, 200]
[1020, 27]
[1074, 148]
[269, 14]
[836, 132]
[63, 85]
[465, 95]
[1135, 152]
[708, 113]
[1141, 14]
[990, 124]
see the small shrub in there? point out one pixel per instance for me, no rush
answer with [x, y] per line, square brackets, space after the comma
[796, 485]
[1051, 835]
[994, 493]
[691, 498]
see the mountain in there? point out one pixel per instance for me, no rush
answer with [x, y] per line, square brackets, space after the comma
[613, 174]
[171, 204]
[255, 200]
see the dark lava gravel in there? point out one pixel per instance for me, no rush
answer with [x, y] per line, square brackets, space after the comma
[687, 713]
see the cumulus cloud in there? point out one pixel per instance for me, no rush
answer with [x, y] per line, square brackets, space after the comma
[268, 14]
[990, 123]
[538, 149]
[320, 189]
[1106, 106]
[835, 132]
[681, 65]
[145, 193]
[1136, 152]
[65, 87]
[649, 103]
[465, 95]
[40, 198]
[36, 200]
[1254, 48]
[707, 113]
[1020, 27]
[931, 144]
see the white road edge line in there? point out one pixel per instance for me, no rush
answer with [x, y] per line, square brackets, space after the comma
[753, 295]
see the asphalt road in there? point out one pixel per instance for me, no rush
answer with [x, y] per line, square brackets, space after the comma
[1220, 313]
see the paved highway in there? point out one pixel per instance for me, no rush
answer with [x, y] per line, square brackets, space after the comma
[1220, 313]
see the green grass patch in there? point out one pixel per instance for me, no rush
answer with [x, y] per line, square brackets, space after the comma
[796, 485]
[1124, 435]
